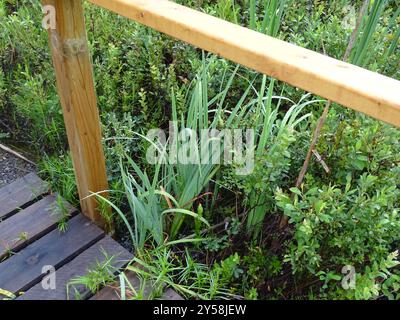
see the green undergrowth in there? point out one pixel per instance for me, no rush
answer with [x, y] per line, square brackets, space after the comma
[204, 230]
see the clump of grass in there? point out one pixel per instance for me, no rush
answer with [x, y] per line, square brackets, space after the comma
[61, 211]
[161, 268]
[59, 171]
[172, 188]
[101, 275]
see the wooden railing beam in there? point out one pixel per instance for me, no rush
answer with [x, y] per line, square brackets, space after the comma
[75, 86]
[357, 88]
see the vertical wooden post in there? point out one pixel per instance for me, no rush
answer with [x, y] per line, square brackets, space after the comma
[75, 85]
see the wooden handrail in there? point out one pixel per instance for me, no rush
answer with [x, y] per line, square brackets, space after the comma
[351, 86]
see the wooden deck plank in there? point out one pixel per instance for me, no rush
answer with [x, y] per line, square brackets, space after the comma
[30, 232]
[31, 223]
[79, 267]
[24, 270]
[20, 194]
[114, 293]
[170, 294]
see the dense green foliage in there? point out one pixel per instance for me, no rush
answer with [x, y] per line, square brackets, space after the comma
[347, 217]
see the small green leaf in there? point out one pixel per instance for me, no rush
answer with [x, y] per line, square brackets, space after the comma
[296, 191]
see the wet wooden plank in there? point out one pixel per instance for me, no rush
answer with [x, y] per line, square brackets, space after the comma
[20, 194]
[114, 292]
[31, 223]
[24, 270]
[171, 295]
[86, 261]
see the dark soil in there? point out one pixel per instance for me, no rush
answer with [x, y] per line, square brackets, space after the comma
[12, 167]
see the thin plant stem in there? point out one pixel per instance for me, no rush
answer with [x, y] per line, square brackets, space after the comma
[321, 121]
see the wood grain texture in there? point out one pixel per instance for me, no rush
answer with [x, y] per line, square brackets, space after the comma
[23, 270]
[114, 293]
[75, 85]
[80, 266]
[31, 223]
[20, 193]
[362, 90]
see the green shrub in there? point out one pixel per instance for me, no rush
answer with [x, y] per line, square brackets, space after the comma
[356, 225]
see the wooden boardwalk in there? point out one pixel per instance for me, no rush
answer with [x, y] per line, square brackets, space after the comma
[30, 242]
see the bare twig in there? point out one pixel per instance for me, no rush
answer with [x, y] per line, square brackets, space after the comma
[322, 119]
[321, 161]
[167, 199]
[215, 226]
[7, 149]
[314, 141]
[353, 36]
